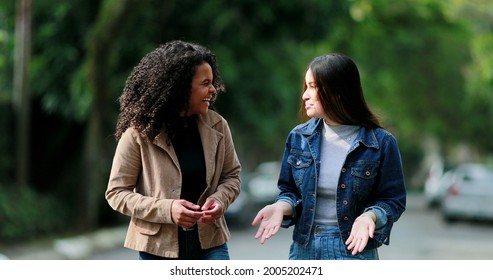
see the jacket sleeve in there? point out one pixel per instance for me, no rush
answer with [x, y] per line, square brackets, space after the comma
[287, 187]
[391, 189]
[125, 171]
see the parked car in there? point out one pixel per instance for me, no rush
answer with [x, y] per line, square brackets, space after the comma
[470, 197]
[436, 185]
[241, 212]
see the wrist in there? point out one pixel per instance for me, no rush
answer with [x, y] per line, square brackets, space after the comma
[370, 215]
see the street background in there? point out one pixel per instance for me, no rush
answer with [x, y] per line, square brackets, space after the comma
[420, 234]
[425, 67]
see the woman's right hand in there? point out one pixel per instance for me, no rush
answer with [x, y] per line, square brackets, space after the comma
[270, 219]
[185, 213]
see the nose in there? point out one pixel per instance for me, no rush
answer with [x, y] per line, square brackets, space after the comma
[212, 89]
[305, 95]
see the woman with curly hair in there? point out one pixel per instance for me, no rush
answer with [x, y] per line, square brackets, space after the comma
[175, 170]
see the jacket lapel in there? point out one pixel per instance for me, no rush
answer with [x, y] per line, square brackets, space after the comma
[210, 139]
[160, 141]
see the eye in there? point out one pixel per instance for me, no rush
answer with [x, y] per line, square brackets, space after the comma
[311, 86]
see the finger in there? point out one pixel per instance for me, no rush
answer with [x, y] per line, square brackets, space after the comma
[211, 204]
[260, 232]
[371, 231]
[189, 205]
[208, 203]
[273, 231]
[360, 246]
[257, 219]
[211, 213]
[264, 237]
[351, 245]
[268, 233]
[349, 240]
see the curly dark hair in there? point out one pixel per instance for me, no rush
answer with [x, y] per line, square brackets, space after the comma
[158, 89]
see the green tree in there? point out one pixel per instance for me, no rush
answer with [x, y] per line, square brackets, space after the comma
[421, 63]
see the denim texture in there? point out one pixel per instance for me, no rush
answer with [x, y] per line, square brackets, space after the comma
[326, 244]
[371, 178]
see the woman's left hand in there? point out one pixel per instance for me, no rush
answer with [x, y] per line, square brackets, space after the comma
[363, 229]
[211, 210]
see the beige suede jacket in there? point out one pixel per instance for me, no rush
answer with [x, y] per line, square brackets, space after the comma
[145, 178]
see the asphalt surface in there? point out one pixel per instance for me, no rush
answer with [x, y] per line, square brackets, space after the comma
[84, 246]
[72, 248]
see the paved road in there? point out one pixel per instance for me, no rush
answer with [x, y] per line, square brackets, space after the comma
[420, 234]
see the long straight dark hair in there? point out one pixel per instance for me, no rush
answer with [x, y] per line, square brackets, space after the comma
[340, 92]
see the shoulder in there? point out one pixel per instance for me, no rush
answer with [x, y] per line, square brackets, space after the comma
[131, 135]
[382, 132]
[384, 137]
[131, 132]
[213, 119]
[308, 127]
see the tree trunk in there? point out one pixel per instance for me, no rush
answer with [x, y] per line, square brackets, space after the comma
[21, 100]
[98, 62]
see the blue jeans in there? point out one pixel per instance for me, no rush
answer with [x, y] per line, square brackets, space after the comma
[326, 244]
[189, 249]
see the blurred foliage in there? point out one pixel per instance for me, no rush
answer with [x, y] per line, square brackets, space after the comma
[426, 68]
[26, 214]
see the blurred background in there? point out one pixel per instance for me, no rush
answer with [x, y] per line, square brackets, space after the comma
[426, 68]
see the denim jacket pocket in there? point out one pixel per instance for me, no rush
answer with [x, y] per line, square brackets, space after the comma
[363, 175]
[299, 162]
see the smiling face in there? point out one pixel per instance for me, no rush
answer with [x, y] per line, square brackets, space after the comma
[313, 105]
[202, 91]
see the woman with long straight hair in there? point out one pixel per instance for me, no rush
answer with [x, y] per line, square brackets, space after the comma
[341, 181]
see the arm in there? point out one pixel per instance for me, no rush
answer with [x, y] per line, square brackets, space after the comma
[125, 173]
[270, 218]
[377, 219]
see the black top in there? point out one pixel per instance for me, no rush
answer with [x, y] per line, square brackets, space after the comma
[190, 153]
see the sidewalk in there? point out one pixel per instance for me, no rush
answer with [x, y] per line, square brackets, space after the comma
[73, 248]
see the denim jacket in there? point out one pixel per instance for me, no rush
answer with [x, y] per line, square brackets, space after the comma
[371, 178]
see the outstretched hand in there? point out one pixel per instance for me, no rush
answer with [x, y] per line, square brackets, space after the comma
[363, 229]
[270, 219]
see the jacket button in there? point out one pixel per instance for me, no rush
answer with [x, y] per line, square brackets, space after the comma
[343, 186]
[298, 163]
[346, 218]
[345, 202]
[343, 170]
[367, 173]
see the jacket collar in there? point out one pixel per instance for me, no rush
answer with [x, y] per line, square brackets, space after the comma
[208, 134]
[205, 123]
[366, 136]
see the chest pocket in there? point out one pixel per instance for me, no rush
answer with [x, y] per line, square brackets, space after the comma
[300, 162]
[364, 175]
